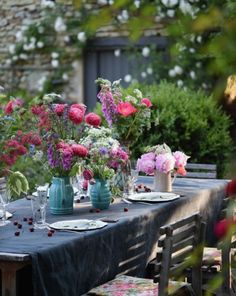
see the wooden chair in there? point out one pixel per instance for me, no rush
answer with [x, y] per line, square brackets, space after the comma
[201, 171]
[217, 261]
[177, 243]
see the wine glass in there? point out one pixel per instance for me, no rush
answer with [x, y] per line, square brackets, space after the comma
[77, 182]
[5, 197]
[39, 204]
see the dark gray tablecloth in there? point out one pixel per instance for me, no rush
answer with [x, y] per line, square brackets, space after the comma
[72, 263]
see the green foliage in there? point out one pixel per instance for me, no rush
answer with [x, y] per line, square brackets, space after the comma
[189, 121]
[17, 183]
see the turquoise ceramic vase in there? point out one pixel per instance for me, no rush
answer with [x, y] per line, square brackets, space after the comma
[61, 196]
[100, 194]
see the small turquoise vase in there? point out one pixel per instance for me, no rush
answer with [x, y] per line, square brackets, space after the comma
[100, 194]
[61, 196]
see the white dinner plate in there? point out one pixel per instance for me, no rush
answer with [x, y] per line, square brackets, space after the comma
[154, 196]
[80, 225]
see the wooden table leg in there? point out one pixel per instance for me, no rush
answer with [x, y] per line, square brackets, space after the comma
[9, 270]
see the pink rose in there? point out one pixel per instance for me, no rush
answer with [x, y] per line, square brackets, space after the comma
[180, 159]
[59, 109]
[147, 102]
[79, 150]
[149, 155]
[76, 115]
[93, 119]
[126, 109]
[165, 162]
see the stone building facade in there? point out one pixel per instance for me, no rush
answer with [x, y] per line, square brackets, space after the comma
[29, 72]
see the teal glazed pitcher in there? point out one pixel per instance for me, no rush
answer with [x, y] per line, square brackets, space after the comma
[61, 196]
[100, 194]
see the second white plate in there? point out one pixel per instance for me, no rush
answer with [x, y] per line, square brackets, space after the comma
[154, 196]
[79, 225]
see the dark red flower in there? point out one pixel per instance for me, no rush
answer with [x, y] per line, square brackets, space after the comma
[59, 109]
[85, 185]
[80, 107]
[231, 188]
[93, 119]
[147, 102]
[76, 115]
[35, 140]
[37, 109]
[79, 150]
[88, 174]
[11, 105]
[223, 227]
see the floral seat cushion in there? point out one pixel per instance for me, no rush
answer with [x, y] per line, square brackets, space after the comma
[131, 286]
[211, 256]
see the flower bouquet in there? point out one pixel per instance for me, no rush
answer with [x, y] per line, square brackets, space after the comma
[105, 156]
[61, 127]
[126, 114]
[160, 162]
[13, 145]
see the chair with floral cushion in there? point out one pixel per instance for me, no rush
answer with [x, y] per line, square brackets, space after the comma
[178, 242]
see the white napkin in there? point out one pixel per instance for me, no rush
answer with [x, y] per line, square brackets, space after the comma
[8, 214]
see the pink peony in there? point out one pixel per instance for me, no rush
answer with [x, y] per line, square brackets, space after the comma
[147, 102]
[76, 115]
[79, 150]
[59, 109]
[149, 155]
[165, 162]
[146, 165]
[180, 159]
[93, 119]
[126, 109]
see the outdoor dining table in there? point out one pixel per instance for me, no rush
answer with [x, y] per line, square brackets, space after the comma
[71, 263]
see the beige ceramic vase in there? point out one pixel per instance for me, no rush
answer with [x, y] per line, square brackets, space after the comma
[162, 182]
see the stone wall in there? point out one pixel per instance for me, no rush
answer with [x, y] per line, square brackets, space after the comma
[29, 73]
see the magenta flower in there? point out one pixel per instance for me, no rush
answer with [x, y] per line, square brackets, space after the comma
[126, 109]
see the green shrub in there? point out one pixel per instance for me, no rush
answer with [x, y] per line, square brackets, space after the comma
[189, 121]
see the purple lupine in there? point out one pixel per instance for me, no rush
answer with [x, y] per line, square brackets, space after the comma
[109, 107]
[53, 161]
[67, 157]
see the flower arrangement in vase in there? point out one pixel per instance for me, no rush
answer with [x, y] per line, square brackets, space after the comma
[13, 144]
[160, 161]
[61, 127]
[105, 156]
[126, 114]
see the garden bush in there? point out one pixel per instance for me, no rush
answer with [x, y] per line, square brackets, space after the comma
[189, 121]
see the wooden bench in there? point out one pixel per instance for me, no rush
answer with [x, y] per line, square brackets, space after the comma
[201, 171]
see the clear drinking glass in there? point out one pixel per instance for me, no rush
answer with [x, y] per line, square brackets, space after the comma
[77, 182]
[38, 204]
[5, 197]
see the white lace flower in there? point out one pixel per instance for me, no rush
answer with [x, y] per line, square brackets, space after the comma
[55, 63]
[59, 25]
[180, 83]
[178, 70]
[127, 78]
[117, 52]
[172, 73]
[149, 70]
[54, 55]
[40, 44]
[192, 75]
[146, 51]
[143, 74]
[81, 36]
[12, 48]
